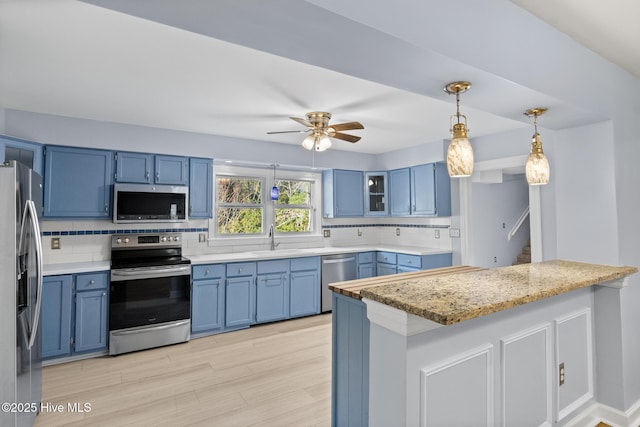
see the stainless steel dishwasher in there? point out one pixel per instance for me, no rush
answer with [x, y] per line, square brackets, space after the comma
[336, 268]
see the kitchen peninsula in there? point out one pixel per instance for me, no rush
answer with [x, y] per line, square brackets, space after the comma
[517, 345]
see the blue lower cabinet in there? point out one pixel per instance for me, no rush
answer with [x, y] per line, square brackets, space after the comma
[208, 298]
[366, 266]
[350, 363]
[304, 291]
[57, 297]
[272, 297]
[240, 295]
[91, 321]
[75, 314]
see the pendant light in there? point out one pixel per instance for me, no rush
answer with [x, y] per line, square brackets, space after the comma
[537, 169]
[275, 193]
[459, 153]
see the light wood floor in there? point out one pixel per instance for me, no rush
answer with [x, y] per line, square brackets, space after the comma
[269, 375]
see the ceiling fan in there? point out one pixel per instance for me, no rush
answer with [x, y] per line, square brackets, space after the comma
[317, 123]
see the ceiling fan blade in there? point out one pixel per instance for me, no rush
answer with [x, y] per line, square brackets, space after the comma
[344, 136]
[288, 131]
[346, 126]
[303, 122]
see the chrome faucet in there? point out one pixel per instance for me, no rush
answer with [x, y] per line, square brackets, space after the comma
[274, 245]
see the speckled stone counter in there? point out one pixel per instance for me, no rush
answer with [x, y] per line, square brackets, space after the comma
[453, 298]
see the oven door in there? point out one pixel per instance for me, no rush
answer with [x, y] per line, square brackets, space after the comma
[149, 295]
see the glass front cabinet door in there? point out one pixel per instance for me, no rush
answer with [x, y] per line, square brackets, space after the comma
[376, 190]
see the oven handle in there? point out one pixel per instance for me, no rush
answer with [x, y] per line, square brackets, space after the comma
[149, 273]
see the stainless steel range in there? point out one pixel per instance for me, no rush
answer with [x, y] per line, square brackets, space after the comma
[150, 300]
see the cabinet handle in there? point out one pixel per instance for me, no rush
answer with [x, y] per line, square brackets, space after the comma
[146, 175]
[239, 270]
[414, 207]
[157, 176]
[104, 294]
[91, 282]
[206, 272]
[106, 209]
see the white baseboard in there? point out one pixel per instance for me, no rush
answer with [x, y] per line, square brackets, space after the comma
[614, 417]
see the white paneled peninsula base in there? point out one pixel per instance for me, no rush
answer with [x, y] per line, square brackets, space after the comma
[532, 344]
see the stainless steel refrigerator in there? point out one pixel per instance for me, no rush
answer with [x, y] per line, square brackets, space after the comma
[20, 294]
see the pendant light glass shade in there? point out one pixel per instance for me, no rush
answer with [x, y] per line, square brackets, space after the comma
[317, 141]
[460, 155]
[275, 192]
[460, 152]
[537, 168]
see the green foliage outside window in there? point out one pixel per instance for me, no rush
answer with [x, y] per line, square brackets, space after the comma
[293, 208]
[239, 205]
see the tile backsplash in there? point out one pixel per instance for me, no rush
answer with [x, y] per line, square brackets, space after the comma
[86, 240]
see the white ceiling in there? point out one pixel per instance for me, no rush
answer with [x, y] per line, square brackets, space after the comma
[172, 70]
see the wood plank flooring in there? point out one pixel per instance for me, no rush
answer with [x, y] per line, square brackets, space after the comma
[277, 374]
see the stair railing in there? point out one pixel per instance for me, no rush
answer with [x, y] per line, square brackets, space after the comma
[518, 224]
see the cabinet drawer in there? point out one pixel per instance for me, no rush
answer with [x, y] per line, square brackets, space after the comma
[92, 281]
[209, 271]
[241, 269]
[274, 266]
[308, 263]
[386, 257]
[413, 261]
[365, 257]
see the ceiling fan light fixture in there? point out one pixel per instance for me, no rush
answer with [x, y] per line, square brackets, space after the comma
[323, 142]
[309, 142]
[537, 169]
[460, 153]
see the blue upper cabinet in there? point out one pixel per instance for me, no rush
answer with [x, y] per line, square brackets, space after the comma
[200, 187]
[342, 193]
[25, 152]
[423, 190]
[134, 167]
[376, 191]
[152, 169]
[77, 182]
[399, 192]
[172, 170]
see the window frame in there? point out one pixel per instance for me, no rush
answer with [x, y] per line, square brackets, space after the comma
[265, 174]
[309, 207]
[240, 205]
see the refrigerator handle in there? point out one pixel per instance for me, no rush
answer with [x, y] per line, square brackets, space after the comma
[30, 210]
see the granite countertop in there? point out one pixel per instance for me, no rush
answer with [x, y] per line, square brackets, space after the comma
[453, 298]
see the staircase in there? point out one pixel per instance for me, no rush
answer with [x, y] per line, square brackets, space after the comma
[525, 256]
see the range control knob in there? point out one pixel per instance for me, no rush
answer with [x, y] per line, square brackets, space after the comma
[176, 238]
[118, 240]
[126, 240]
[164, 238]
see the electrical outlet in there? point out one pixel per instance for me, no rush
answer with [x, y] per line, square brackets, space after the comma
[561, 373]
[55, 243]
[326, 233]
[454, 232]
[397, 231]
[359, 232]
[202, 237]
[437, 233]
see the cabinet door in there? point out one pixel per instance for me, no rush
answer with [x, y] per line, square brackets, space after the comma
[77, 183]
[171, 170]
[385, 269]
[240, 302]
[399, 192]
[200, 188]
[25, 152]
[304, 293]
[57, 296]
[207, 305]
[272, 299]
[423, 194]
[365, 271]
[376, 189]
[348, 194]
[134, 167]
[91, 320]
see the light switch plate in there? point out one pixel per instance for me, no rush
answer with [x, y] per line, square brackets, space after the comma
[454, 232]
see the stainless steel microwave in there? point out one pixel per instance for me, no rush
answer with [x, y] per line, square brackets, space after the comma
[150, 203]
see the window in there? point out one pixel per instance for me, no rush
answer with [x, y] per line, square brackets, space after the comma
[239, 205]
[243, 206]
[293, 208]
